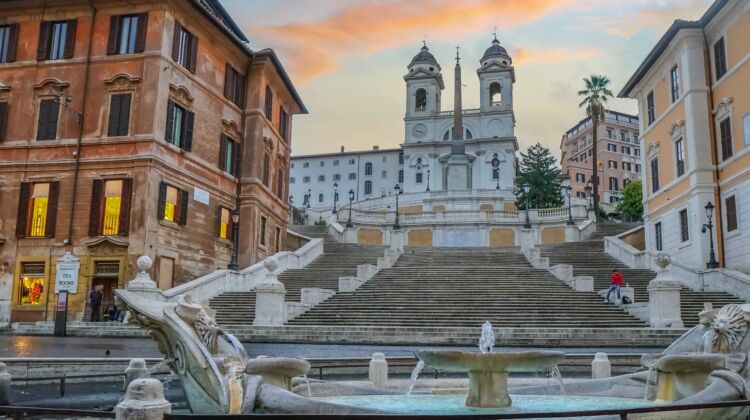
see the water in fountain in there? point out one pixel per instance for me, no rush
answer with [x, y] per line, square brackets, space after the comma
[650, 380]
[159, 365]
[307, 381]
[555, 374]
[414, 375]
[487, 340]
[708, 341]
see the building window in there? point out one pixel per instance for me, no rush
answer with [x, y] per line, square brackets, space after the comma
[623, 136]
[610, 133]
[657, 236]
[401, 176]
[225, 222]
[283, 123]
[229, 156]
[580, 177]
[611, 147]
[306, 165]
[421, 100]
[280, 183]
[351, 161]
[262, 233]
[337, 177]
[368, 169]
[368, 187]
[184, 47]
[110, 207]
[127, 34]
[636, 152]
[277, 240]
[173, 204]
[419, 177]
[322, 163]
[37, 209]
[625, 150]
[119, 115]
[305, 179]
[730, 204]
[401, 158]
[268, 109]
[626, 166]
[179, 130]
[684, 229]
[321, 178]
[637, 168]
[385, 159]
[745, 123]
[267, 169]
[321, 198]
[674, 83]
[720, 58]
[625, 182]
[56, 40]
[613, 184]
[292, 180]
[49, 112]
[8, 41]
[612, 164]
[234, 86]
[31, 284]
[384, 174]
[650, 108]
[654, 174]
[679, 151]
[336, 162]
[495, 174]
[352, 176]
[613, 199]
[725, 132]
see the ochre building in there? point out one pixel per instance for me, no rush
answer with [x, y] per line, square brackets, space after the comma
[135, 128]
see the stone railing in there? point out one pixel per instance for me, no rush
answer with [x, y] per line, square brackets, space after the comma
[421, 197]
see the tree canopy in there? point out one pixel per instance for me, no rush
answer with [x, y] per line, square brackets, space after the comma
[540, 172]
[631, 204]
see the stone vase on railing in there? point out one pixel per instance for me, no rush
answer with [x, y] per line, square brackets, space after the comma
[664, 297]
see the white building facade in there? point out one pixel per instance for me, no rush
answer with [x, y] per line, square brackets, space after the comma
[483, 151]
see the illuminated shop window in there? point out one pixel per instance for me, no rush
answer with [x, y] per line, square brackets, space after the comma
[31, 285]
[224, 224]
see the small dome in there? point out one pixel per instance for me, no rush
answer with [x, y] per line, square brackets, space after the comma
[495, 50]
[424, 57]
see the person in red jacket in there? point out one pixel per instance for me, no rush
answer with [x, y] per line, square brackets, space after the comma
[614, 285]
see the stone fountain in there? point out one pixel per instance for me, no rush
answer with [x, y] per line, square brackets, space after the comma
[488, 370]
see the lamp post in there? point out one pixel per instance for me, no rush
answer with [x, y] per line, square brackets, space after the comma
[397, 226]
[428, 180]
[589, 187]
[351, 199]
[335, 196]
[568, 188]
[309, 196]
[712, 263]
[235, 239]
[526, 189]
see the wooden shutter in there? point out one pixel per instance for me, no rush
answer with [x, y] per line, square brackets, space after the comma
[170, 121]
[228, 77]
[70, 39]
[10, 55]
[218, 221]
[48, 114]
[115, 104]
[123, 227]
[3, 119]
[54, 195]
[223, 153]
[241, 85]
[162, 204]
[124, 115]
[183, 209]
[95, 214]
[193, 53]
[45, 32]
[140, 34]
[22, 219]
[187, 143]
[237, 169]
[114, 31]
[176, 41]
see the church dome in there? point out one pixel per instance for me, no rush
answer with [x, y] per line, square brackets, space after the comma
[495, 51]
[424, 57]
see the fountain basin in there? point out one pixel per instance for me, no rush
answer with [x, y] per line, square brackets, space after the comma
[488, 372]
[278, 371]
[683, 375]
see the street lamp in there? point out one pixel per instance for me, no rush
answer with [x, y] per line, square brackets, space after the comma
[712, 263]
[309, 197]
[428, 180]
[397, 226]
[235, 239]
[335, 196]
[526, 189]
[351, 199]
[568, 188]
[589, 187]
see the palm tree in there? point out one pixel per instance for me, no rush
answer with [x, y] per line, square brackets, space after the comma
[595, 97]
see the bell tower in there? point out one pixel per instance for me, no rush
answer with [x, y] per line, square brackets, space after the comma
[496, 78]
[424, 85]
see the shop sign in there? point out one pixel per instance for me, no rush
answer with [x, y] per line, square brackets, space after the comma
[66, 278]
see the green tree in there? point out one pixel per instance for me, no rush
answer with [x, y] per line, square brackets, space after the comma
[540, 172]
[595, 97]
[631, 205]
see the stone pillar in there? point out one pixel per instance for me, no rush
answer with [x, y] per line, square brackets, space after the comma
[270, 297]
[526, 239]
[4, 385]
[664, 297]
[398, 239]
[144, 400]
[378, 372]
[6, 287]
[136, 370]
[601, 367]
[142, 283]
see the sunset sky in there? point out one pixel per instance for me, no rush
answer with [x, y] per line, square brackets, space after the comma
[347, 57]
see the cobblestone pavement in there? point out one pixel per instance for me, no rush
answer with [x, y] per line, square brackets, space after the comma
[46, 346]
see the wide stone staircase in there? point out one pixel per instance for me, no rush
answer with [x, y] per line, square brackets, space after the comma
[589, 259]
[611, 229]
[236, 309]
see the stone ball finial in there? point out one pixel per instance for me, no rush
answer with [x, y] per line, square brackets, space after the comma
[663, 260]
[271, 264]
[144, 262]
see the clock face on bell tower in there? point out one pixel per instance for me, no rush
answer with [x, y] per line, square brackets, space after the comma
[419, 130]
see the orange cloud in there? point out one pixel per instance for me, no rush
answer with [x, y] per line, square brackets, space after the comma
[526, 56]
[311, 48]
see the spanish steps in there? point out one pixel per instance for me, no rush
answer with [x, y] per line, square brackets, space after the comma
[337, 260]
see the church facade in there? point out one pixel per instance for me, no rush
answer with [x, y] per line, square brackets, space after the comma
[435, 154]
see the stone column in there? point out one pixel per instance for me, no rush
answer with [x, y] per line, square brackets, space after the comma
[144, 400]
[136, 370]
[142, 283]
[4, 385]
[378, 372]
[270, 298]
[6, 287]
[664, 297]
[526, 239]
[398, 239]
[601, 367]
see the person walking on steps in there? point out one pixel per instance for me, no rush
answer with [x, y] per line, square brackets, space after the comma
[615, 285]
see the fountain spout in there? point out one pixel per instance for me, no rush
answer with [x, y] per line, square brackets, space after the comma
[487, 340]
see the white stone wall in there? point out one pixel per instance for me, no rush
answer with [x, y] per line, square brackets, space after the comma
[737, 243]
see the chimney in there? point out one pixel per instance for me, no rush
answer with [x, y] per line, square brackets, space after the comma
[342, 149]
[375, 147]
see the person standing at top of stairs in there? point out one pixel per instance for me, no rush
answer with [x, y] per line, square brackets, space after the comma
[615, 285]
